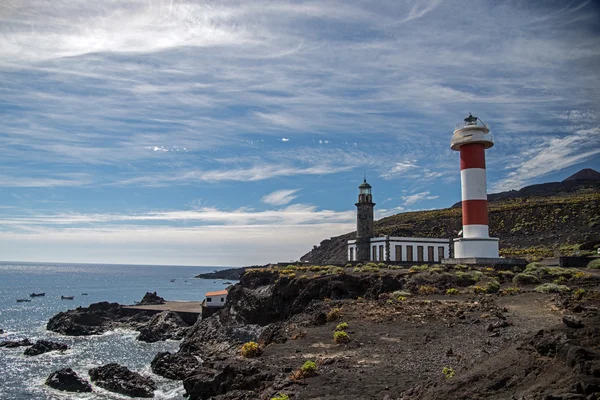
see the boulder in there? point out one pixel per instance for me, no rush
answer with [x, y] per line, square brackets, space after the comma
[572, 322]
[17, 343]
[44, 346]
[174, 366]
[151, 298]
[163, 326]
[1, 331]
[119, 379]
[68, 381]
[225, 378]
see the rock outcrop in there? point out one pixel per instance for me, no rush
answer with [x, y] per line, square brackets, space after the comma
[151, 299]
[68, 381]
[44, 346]
[119, 379]
[175, 366]
[16, 343]
[163, 326]
[95, 320]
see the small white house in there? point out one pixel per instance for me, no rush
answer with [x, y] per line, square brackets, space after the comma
[404, 249]
[216, 299]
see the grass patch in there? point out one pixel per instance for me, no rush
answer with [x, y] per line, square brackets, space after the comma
[419, 268]
[479, 290]
[452, 292]
[281, 396]
[448, 372]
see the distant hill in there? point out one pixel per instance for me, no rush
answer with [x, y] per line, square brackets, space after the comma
[587, 174]
[542, 220]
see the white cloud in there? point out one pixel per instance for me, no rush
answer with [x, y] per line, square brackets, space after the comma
[551, 155]
[414, 198]
[280, 197]
[399, 168]
[284, 139]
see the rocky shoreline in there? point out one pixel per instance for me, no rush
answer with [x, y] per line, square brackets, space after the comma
[428, 332]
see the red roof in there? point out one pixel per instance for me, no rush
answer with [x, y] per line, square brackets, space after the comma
[219, 293]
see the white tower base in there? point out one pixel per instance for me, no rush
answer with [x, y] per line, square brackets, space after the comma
[476, 248]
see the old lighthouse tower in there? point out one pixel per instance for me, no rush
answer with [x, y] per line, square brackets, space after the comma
[364, 221]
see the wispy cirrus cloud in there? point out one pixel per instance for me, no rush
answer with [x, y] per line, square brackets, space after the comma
[550, 155]
[280, 197]
[411, 199]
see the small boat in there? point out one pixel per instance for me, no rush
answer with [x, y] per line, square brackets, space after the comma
[67, 297]
[172, 280]
[23, 300]
[84, 294]
[37, 294]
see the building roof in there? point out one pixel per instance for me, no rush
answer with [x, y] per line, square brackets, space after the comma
[219, 293]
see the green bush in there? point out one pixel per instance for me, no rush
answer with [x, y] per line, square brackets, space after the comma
[348, 265]
[281, 397]
[371, 265]
[418, 268]
[479, 290]
[402, 293]
[493, 286]
[306, 371]
[423, 289]
[382, 265]
[448, 372]
[552, 288]
[452, 291]
[341, 326]
[357, 269]
[510, 291]
[526, 279]
[468, 278]
[334, 314]
[250, 350]
[340, 337]
[594, 264]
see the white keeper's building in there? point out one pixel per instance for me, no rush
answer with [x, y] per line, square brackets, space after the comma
[403, 249]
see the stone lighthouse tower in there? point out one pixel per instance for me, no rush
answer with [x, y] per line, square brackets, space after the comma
[471, 139]
[364, 222]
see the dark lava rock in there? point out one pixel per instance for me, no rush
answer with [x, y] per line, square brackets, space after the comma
[163, 326]
[174, 366]
[226, 378]
[95, 320]
[572, 321]
[548, 343]
[151, 298]
[12, 344]
[119, 379]
[44, 346]
[1, 331]
[68, 381]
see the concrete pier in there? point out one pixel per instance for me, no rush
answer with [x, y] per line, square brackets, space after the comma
[187, 310]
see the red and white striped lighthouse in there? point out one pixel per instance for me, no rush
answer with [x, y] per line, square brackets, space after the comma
[472, 139]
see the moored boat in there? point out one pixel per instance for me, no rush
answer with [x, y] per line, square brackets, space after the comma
[37, 294]
[23, 300]
[67, 297]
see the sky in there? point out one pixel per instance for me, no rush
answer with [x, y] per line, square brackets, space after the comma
[230, 133]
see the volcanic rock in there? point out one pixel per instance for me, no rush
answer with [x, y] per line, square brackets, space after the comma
[572, 321]
[95, 320]
[1, 331]
[151, 299]
[17, 343]
[44, 346]
[119, 379]
[163, 326]
[68, 381]
[175, 366]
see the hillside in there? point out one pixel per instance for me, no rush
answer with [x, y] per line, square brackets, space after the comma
[561, 221]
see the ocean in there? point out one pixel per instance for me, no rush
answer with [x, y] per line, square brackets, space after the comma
[23, 377]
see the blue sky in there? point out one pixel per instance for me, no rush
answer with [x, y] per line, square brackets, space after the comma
[237, 132]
